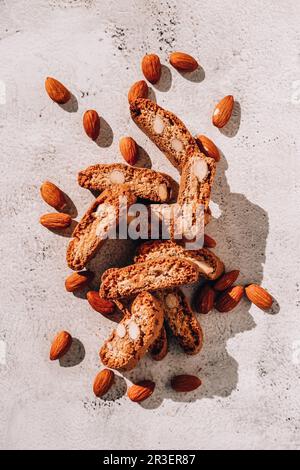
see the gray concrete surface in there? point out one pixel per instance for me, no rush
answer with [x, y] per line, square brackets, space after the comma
[250, 365]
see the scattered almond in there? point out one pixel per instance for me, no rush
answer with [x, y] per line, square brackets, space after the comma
[141, 391]
[91, 124]
[57, 91]
[151, 68]
[226, 280]
[222, 112]
[56, 221]
[259, 296]
[185, 383]
[229, 298]
[129, 150]
[208, 147]
[53, 196]
[77, 280]
[103, 382]
[209, 242]
[138, 90]
[100, 305]
[205, 299]
[183, 62]
[60, 345]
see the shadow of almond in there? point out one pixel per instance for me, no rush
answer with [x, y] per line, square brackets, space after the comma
[233, 125]
[106, 135]
[197, 76]
[165, 80]
[71, 106]
[74, 356]
[144, 161]
[70, 207]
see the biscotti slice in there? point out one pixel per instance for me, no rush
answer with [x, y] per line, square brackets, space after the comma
[181, 320]
[209, 265]
[134, 334]
[154, 274]
[145, 183]
[159, 349]
[96, 224]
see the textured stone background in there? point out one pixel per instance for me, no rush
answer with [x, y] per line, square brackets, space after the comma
[250, 364]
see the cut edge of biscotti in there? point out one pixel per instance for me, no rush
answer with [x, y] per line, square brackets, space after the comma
[134, 335]
[151, 275]
[208, 264]
[96, 225]
[145, 183]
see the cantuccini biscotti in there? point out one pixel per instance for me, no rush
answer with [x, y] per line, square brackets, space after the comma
[144, 183]
[208, 264]
[134, 334]
[151, 275]
[95, 225]
[181, 320]
[159, 348]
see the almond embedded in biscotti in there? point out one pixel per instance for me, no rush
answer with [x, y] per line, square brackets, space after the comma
[138, 90]
[133, 330]
[200, 169]
[208, 147]
[129, 150]
[91, 124]
[222, 112]
[151, 68]
[183, 62]
[57, 91]
[100, 305]
[158, 125]
[259, 296]
[117, 177]
[121, 330]
[141, 391]
[176, 145]
[55, 221]
[171, 301]
[53, 196]
[77, 280]
[60, 345]
[163, 192]
[103, 382]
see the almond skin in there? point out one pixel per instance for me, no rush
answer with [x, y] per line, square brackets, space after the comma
[183, 62]
[151, 68]
[141, 391]
[77, 280]
[129, 150]
[138, 90]
[103, 382]
[209, 242]
[91, 124]
[229, 298]
[57, 91]
[60, 345]
[56, 221]
[185, 383]
[53, 196]
[208, 147]
[259, 296]
[100, 305]
[226, 280]
[222, 112]
[205, 299]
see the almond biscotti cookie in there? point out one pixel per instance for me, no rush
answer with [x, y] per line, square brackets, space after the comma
[136, 332]
[144, 183]
[182, 320]
[208, 264]
[151, 275]
[159, 349]
[95, 225]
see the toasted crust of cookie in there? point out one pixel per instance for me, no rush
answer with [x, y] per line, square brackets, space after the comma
[94, 226]
[134, 334]
[159, 349]
[154, 274]
[209, 265]
[144, 183]
[181, 320]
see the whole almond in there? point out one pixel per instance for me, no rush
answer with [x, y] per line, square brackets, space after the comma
[209, 242]
[183, 62]
[57, 91]
[141, 391]
[151, 68]
[222, 112]
[226, 280]
[185, 383]
[129, 150]
[60, 345]
[56, 221]
[229, 298]
[103, 381]
[138, 90]
[100, 305]
[259, 296]
[91, 124]
[205, 299]
[208, 147]
[77, 280]
[53, 196]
